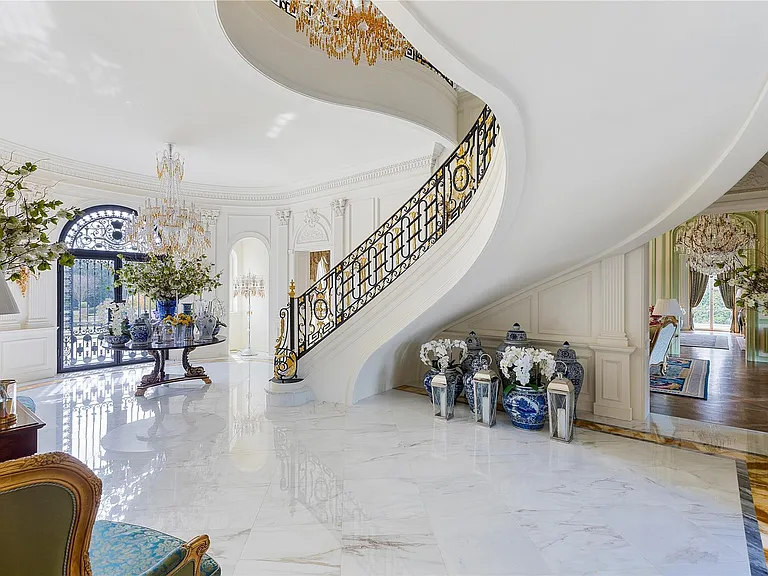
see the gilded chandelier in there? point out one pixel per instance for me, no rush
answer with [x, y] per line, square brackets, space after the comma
[170, 225]
[353, 28]
[713, 243]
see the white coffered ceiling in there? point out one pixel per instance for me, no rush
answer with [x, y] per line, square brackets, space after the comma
[108, 83]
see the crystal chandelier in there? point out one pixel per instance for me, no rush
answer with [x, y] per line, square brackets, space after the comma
[170, 225]
[353, 28]
[712, 243]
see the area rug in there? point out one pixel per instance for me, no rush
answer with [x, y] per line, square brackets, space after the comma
[698, 340]
[685, 377]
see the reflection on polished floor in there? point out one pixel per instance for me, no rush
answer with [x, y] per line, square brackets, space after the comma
[382, 488]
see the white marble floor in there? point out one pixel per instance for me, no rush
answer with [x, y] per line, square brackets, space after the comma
[382, 488]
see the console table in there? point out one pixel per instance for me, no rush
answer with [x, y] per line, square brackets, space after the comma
[158, 375]
[20, 438]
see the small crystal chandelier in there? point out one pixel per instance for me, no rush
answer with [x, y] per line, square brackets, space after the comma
[712, 243]
[171, 225]
[353, 28]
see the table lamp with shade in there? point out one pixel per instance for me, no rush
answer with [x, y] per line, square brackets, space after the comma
[668, 307]
[7, 301]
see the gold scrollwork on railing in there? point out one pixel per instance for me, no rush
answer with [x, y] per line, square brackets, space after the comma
[385, 255]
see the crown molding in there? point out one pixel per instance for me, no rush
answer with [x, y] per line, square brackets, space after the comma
[82, 171]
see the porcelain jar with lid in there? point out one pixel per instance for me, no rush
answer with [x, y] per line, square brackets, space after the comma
[574, 371]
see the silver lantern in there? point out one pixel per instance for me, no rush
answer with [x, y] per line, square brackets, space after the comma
[443, 396]
[561, 400]
[485, 389]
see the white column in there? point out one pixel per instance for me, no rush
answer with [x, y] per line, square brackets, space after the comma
[340, 240]
[612, 365]
[612, 331]
[283, 264]
[42, 300]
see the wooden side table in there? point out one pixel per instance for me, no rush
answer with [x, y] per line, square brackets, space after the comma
[20, 438]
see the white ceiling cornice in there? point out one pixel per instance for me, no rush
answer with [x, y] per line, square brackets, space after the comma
[56, 166]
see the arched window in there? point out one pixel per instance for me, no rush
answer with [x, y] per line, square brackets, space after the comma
[96, 237]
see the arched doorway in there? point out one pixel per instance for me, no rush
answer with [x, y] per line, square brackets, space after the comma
[95, 238]
[249, 255]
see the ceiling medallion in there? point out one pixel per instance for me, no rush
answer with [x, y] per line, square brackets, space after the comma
[171, 225]
[713, 243]
[352, 28]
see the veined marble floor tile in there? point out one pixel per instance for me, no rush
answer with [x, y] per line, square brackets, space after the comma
[579, 542]
[303, 550]
[383, 487]
[488, 545]
[666, 538]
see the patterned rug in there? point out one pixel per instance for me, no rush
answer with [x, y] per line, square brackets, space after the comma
[699, 340]
[685, 377]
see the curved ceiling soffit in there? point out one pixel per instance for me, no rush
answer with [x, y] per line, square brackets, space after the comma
[281, 54]
[438, 51]
[54, 170]
[739, 156]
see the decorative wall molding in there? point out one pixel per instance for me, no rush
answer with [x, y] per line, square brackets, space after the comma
[136, 183]
[210, 216]
[311, 217]
[339, 206]
[283, 216]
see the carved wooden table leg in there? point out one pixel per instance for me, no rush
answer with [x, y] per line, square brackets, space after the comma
[193, 371]
[156, 376]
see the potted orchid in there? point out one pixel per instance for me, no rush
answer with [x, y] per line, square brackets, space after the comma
[526, 373]
[444, 356]
[751, 283]
[116, 317]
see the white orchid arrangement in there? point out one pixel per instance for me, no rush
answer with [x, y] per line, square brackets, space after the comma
[753, 284]
[519, 364]
[443, 354]
[116, 316]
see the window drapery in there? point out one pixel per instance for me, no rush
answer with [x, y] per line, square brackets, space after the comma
[728, 293]
[698, 287]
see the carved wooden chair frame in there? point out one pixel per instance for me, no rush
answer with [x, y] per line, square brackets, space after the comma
[74, 476]
[667, 320]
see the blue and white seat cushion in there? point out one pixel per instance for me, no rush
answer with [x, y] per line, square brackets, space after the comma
[119, 549]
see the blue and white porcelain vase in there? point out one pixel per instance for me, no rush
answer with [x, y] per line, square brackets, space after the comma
[205, 323]
[574, 370]
[451, 375]
[470, 365]
[526, 407]
[141, 330]
[165, 308]
[186, 307]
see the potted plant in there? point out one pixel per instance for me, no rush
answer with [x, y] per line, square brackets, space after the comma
[26, 216]
[183, 327]
[751, 283]
[116, 317]
[167, 280]
[444, 356]
[527, 372]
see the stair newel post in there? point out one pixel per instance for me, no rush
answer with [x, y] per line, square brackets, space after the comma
[292, 318]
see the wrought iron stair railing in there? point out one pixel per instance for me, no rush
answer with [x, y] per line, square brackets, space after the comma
[396, 245]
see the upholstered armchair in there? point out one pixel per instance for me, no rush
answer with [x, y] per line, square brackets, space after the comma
[661, 339]
[48, 506]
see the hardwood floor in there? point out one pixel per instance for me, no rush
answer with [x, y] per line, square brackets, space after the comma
[738, 391]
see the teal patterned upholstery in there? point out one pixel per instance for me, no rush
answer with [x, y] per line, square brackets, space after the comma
[119, 549]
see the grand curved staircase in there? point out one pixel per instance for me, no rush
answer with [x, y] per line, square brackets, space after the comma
[377, 263]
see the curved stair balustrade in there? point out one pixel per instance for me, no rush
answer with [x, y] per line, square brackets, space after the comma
[387, 253]
[411, 53]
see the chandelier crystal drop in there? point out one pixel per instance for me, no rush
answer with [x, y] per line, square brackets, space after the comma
[713, 243]
[354, 28]
[249, 285]
[170, 225]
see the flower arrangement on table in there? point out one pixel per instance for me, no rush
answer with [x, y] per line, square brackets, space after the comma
[164, 279]
[26, 216]
[529, 367]
[179, 319]
[443, 354]
[116, 317]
